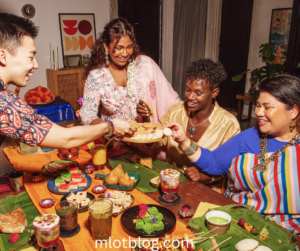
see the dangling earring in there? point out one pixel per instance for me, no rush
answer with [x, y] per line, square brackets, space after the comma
[292, 126]
[106, 57]
[129, 60]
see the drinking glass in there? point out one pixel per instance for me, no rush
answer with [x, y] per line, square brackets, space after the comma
[46, 228]
[100, 211]
[68, 214]
[99, 157]
[169, 184]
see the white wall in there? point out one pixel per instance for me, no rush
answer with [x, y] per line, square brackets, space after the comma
[167, 37]
[46, 18]
[260, 31]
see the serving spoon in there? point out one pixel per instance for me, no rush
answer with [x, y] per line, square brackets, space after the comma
[31, 241]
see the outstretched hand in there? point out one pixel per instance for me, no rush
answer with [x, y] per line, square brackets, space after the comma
[122, 127]
[178, 133]
[192, 173]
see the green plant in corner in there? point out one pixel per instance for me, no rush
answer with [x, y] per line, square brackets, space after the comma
[273, 67]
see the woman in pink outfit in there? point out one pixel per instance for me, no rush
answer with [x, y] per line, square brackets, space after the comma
[119, 78]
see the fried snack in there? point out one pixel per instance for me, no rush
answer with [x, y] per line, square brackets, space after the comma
[112, 179]
[13, 222]
[167, 132]
[133, 123]
[150, 110]
[149, 125]
[125, 180]
[147, 162]
[118, 171]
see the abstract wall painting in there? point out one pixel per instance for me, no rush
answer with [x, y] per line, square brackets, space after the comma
[280, 32]
[78, 33]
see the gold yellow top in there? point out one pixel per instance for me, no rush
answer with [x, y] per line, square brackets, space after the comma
[223, 126]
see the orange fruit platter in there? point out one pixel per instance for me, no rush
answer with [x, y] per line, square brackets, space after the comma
[145, 133]
[39, 96]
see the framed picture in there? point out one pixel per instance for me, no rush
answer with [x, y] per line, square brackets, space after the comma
[77, 32]
[280, 31]
[73, 61]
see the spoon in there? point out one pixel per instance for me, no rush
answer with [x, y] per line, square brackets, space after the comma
[31, 241]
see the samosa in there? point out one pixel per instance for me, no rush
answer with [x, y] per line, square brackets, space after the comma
[112, 179]
[147, 162]
[125, 181]
[118, 171]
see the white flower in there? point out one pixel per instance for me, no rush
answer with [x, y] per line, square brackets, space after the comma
[130, 75]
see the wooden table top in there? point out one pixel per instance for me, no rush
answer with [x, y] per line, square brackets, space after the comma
[191, 193]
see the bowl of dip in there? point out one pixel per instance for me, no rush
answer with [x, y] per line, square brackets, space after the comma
[218, 219]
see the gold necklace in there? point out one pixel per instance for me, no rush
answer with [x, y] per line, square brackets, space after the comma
[192, 130]
[262, 166]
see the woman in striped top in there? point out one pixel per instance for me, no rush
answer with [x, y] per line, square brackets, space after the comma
[263, 162]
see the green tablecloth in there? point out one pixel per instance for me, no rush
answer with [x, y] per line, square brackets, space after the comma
[9, 204]
[280, 237]
[146, 173]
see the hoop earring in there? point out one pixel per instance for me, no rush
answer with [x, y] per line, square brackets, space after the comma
[106, 57]
[292, 126]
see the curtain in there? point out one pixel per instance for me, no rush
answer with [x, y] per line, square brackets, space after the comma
[189, 39]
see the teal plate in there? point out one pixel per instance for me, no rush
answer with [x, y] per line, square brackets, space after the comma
[136, 176]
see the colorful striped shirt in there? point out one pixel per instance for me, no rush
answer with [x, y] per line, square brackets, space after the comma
[274, 193]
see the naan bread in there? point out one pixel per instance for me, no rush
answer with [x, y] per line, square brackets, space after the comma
[13, 222]
[246, 245]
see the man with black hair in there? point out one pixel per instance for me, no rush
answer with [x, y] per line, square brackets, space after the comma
[203, 120]
[17, 119]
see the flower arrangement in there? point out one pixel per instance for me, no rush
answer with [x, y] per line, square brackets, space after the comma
[39, 95]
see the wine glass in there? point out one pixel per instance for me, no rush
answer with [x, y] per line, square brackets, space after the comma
[169, 184]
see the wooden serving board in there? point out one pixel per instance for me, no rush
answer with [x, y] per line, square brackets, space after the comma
[143, 141]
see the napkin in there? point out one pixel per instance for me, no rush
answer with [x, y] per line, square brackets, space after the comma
[203, 208]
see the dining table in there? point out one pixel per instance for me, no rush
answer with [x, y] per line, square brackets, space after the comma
[191, 193]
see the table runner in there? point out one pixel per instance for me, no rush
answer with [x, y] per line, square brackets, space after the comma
[83, 240]
[34, 162]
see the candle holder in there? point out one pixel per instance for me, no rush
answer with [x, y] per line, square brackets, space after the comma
[88, 169]
[185, 211]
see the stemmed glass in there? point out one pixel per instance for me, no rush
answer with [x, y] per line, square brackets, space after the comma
[169, 184]
[46, 228]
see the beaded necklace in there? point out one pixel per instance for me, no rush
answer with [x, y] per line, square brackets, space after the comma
[262, 166]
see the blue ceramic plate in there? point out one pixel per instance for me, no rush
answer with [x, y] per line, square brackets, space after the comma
[54, 189]
[137, 176]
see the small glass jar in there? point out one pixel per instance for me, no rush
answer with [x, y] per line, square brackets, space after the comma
[185, 211]
[85, 59]
[68, 213]
[100, 215]
[36, 177]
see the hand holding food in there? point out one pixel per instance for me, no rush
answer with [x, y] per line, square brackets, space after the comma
[178, 133]
[144, 109]
[122, 127]
[192, 173]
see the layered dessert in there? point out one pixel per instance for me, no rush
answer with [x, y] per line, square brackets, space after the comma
[46, 227]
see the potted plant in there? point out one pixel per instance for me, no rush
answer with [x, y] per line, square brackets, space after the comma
[274, 65]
